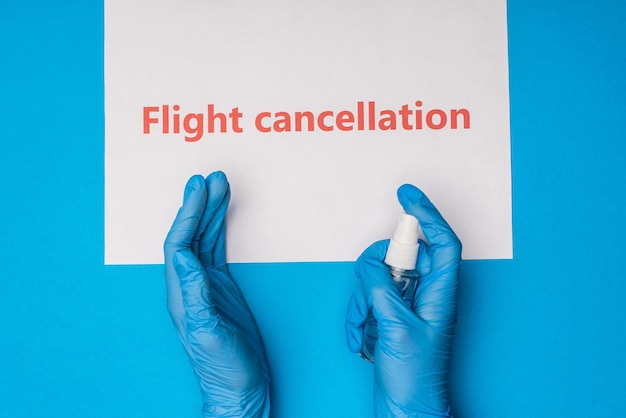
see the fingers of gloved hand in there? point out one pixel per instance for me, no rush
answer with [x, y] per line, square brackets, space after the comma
[435, 299]
[356, 315]
[423, 259]
[234, 309]
[219, 252]
[445, 246]
[188, 218]
[180, 237]
[380, 292]
[375, 252]
[371, 271]
[213, 217]
[200, 311]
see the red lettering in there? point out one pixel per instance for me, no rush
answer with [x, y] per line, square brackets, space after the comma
[166, 119]
[258, 121]
[345, 120]
[360, 116]
[234, 116]
[197, 129]
[283, 124]
[372, 115]
[147, 120]
[321, 123]
[310, 121]
[388, 120]
[176, 108]
[454, 118]
[442, 119]
[405, 112]
[193, 124]
[418, 115]
[211, 116]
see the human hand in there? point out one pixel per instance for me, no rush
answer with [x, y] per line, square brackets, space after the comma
[209, 311]
[414, 342]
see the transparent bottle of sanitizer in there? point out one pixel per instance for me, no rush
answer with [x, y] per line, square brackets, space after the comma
[401, 259]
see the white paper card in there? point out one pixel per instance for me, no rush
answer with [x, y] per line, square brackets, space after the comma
[316, 111]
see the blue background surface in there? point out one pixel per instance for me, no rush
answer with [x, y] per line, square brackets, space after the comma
[542, 335]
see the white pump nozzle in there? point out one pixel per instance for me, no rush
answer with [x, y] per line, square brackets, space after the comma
[403, 247]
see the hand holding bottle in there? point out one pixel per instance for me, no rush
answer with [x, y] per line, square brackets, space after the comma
[209, 311]
[414, 343]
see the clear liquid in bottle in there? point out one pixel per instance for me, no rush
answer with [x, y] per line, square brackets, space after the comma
[406, 282]
[401, 259]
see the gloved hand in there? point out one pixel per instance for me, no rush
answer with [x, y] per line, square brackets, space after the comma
[209, 311]
[414, 343]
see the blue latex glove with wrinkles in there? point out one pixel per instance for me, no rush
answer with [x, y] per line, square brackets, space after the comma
[414, 343]
[209, 311]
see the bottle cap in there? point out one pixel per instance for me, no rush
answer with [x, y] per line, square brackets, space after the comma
[403, 247]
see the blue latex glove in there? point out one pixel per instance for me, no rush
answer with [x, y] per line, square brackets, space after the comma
[209, 311]
[414, 343]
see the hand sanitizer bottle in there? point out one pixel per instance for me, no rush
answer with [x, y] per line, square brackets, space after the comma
[401, 259]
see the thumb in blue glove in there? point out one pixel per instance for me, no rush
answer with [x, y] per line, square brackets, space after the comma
[209, 311]
[414, 342]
